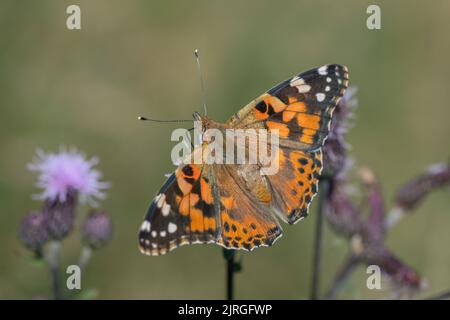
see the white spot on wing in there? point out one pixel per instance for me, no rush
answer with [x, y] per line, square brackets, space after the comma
[322, 70]
[154, 234]
[145, 226]
[162, 233]
[320, 96]
[165, 209]
[172, 227]
[299, 83]
[303, 88]
[161, 200]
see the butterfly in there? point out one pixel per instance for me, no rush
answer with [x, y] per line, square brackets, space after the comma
[233, 205]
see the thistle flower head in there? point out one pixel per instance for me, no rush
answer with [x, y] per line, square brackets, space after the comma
[411, 194]
[97, 229]
[67, 170]
[401, 275]
[33, 230]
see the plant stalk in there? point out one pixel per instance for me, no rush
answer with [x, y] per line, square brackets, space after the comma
[53, 263]
[324, 186]
[229, 256]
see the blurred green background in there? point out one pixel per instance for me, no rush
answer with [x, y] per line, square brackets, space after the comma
[86, 88]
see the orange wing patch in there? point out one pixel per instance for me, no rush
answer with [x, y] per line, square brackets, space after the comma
[206, 191]
[295, 184]
[282, 128]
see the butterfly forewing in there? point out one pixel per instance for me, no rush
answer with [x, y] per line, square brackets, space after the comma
[299, 108]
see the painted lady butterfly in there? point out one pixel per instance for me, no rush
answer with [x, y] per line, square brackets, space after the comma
[232, 204]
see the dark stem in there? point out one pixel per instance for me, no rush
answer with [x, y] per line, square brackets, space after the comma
[346, 270]
[324, 185]
[229, 256]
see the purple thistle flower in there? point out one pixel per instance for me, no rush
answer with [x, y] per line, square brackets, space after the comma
[96, 230]
[33, 231]
[67, 170]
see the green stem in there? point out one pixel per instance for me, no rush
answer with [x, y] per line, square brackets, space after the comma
[85, 257]
[52, 259]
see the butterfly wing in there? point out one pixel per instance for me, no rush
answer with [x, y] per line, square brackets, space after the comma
[207, 204]
[182, 212]
[295, 184]
[300, 108]
[246, 219]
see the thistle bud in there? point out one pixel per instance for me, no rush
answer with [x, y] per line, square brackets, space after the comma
[96, 230]
[33, 231]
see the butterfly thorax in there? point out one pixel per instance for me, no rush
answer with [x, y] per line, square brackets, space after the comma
[247, 173]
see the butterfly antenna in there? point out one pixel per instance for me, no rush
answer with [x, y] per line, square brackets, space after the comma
[202, 84]
[158, 120]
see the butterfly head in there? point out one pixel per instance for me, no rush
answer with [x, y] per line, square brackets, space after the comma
[204, 123]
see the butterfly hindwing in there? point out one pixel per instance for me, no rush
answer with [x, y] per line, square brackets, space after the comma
[247, 222]
[295, 184]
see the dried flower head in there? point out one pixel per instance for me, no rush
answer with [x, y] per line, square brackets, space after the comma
[400, 274]
[97, 229]
[67, 170]
[413, 192]
[33, 231]
[335, 148]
